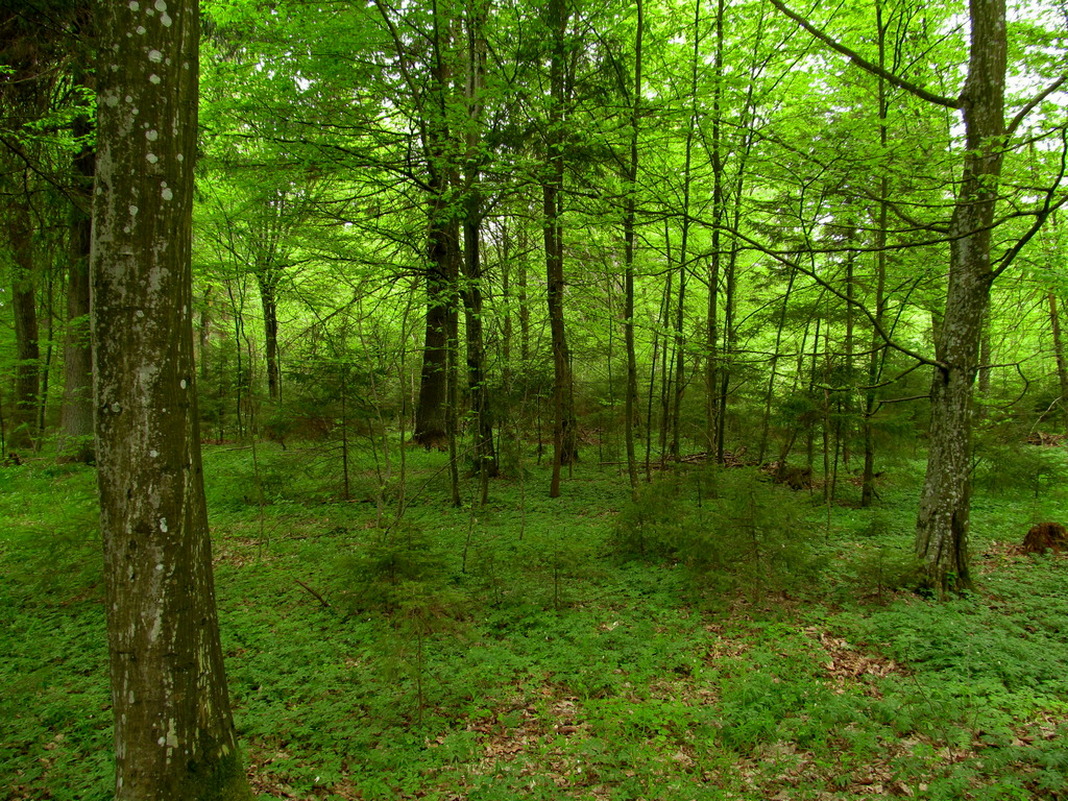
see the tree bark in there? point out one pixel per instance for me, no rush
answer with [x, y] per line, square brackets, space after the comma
[684, 254]
[565, 443]
[943, 522]
[878, 347]
[1058, 355]
[484, 453]
[267, 281]
[430, 407]
[630, 402]
[76, 418]
[174, 733]
[27, 349]
[443, 252]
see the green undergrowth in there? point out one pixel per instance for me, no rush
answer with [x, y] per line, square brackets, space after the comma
[718, 637]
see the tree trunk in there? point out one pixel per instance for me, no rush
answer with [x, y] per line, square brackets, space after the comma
[27, 349]
[268, 286]
[565, 441]
[431, 412]
[684, 255]
[878, 347]
[630, 402]
[76, 418]
[1058, 354]
[174, 733]
[484, 453]
[430, 407]
[942, 525]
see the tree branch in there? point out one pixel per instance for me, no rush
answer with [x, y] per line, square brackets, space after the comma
[1048, 207]
[876, 325]
[866, 65]
[1030, 105]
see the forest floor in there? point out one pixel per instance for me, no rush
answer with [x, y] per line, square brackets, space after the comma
[722, 638]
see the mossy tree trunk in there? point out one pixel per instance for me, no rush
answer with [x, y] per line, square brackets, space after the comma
[174, 733]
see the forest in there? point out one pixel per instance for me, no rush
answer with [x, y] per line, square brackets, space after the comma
[560, 399]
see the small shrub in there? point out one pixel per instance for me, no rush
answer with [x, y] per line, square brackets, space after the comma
[749, 534]
[383, 575]
[883, 570]
[1014, 467]
[655, 523]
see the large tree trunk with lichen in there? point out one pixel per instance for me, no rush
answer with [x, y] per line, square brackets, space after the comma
[174, 733]
[942, 526]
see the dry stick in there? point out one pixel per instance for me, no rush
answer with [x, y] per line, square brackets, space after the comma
[314, 594]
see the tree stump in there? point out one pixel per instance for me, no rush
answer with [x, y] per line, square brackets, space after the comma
[1046, 536]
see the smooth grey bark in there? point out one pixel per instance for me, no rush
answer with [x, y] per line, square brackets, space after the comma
[174, 733]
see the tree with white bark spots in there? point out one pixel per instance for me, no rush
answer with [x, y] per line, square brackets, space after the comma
[174, 732]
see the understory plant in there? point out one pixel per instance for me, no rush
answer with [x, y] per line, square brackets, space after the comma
[730, 528]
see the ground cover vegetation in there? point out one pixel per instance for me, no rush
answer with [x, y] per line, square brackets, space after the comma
[607, 399]
[723, 638]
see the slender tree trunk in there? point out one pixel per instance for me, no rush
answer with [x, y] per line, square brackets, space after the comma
[522, 298]
[504, 260]
[1059, 356]
[565, 443]
[943, 521]
[268, 286]
[27, 349]
[484, 451]
[986, 355]
[667, 364]
[630, 403]
[76, 418]
[845, 407]
[765, 429]
[878, 347]
[713, 411]
[684, 254]
[174, 734]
